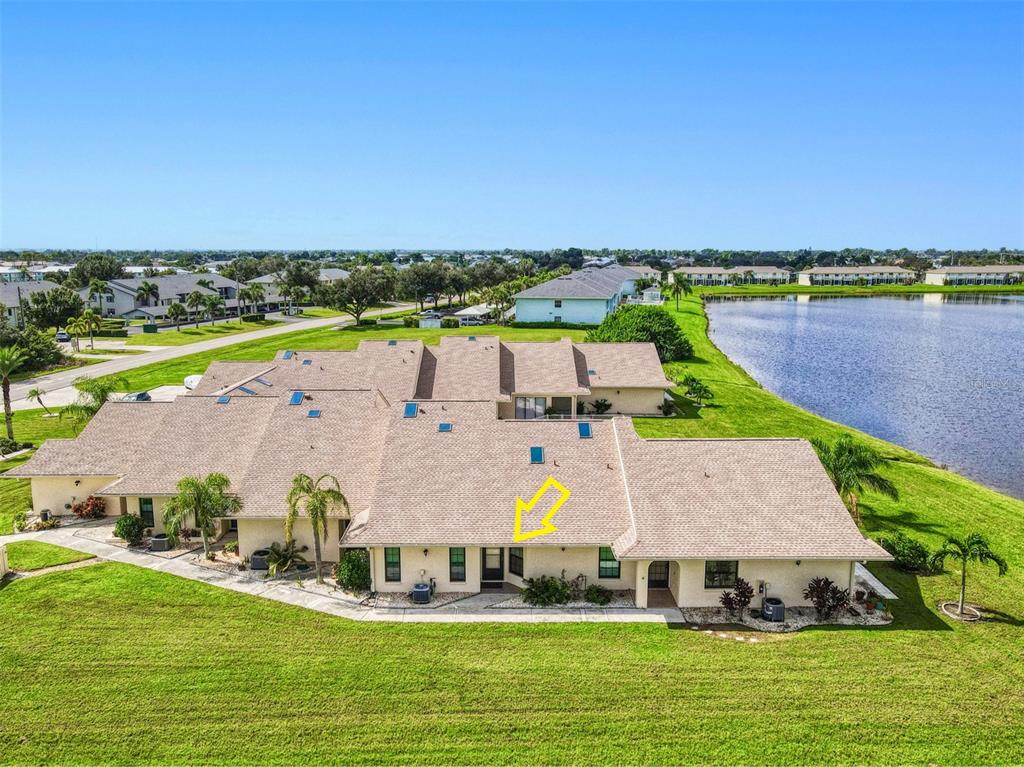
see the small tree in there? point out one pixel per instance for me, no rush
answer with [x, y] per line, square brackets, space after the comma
[700, 393]
[92, 393]
[148, 291]
[176, 313]
[318, 500]
[11, 358]
[195, 301]
[851, 467]
[202, 500]
[97, 288]
[680, 286]
[973, 548]
[37, 394]
[826, 597]
[638, 324]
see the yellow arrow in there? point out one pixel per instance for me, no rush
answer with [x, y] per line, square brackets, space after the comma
[545, 524]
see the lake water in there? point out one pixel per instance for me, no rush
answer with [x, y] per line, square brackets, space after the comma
[942, 375]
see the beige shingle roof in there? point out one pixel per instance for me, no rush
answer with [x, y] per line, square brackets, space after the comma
[625, 365]
[537, 368]
[462, 369]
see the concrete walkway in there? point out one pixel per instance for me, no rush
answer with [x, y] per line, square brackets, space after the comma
[55, 382]
[471, 610]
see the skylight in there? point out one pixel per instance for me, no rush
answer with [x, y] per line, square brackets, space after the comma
[591, 372]
[445, 426]
[392, 343]
[296, 398]
[307, 362]
[411, 409]
[313, 414]
[288, 355]
[536, 455]
[585, 431]
[263, 381]
[223, 399]
[472, 338]
[245, 390]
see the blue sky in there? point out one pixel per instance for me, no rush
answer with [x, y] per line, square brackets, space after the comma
[293, 125]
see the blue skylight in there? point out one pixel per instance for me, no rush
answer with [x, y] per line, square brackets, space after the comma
[223, 399]
[313, 414]
[444, 426]
[263, 381]
[411, 409]
[472, 338]
[288, 355]
[585, 432]
[591, 372]
[307, 362]
[245, 390]
[296, 398]
[536, 455]
[392, 343]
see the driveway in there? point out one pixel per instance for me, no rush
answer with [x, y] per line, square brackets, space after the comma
[54, 383]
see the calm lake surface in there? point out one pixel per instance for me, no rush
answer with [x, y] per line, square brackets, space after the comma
[942, 375]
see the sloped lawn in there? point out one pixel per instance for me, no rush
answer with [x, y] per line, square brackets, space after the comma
[26, 556]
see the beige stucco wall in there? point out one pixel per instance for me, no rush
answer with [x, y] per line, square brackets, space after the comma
[433, 565]
[931, 278]
[256, 534]
[551, 560]
[787, 580]
[53, 493]
[628, 401]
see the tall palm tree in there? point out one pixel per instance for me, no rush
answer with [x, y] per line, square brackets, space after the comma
[851, 467]
[203, 501]
[257, 294]
[97, 287]
[91, 323]
[148, 291]
[318, 501]
[11, 358]
[177, 312]
[92, 393]
[195, 300]
[680, 286]
[37, 395]
[973, 548]
[214, 307]
[77, 327]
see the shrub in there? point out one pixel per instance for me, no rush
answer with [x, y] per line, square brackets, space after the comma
[20, 520]
[546, 590]
[368, 321]
[597, 594]
[91, 508]
[450, 322]
[737, 600]
[8, 446]
[50, 524]
[283, 557]
[353, 571]
[254, 317]
[645, 324]
[826, 597]
[602, 406]
[411, 322]
[111, 333]
[231, 547]
[668, 407]
[41, 351]
[910, 554]
[130, 529]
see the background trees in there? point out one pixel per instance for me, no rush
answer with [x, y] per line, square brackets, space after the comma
[363, 289]
[98, 266]
[53, 308]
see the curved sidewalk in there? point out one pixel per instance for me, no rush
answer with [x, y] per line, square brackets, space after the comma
[470, 610]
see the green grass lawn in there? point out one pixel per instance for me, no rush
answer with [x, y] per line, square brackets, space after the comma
[320, 311]
[852, 290]
[35, 555]
[189, 335]
[230, 679]
[70, 364]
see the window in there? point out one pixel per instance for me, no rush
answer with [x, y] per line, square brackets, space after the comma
[515, 560]
[536, 455]
[307, 362]
[531, 407]
[146, 511]
[607, 565]
[288, 355]
[457, 564]
[720, 574]
[558, 303]
[411, 409]
[558, 318]
[392, 343]
[392, 564]
[245, 390]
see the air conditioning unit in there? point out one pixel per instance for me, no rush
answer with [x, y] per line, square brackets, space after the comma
[772, 609]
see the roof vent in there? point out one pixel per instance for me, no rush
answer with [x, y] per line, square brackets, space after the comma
[536, 455]
[307, 362]
[313, 414]
[288, 355]
[296, 398]
[585, 431]
[223, 399]
[411, 409]
[444, 426]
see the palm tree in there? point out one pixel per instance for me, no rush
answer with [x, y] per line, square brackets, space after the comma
[194, 301]
[851, 467]
[77, 327]
[97, 287]
[90, 323]
[37, 395]
[148, 291]
[11, 358]
[177, 313]
[93, 392]
[680, 286]
[318, 502]
[206, 282]
[214, 307]
[257, 293]
[973, 548]
[202, 500]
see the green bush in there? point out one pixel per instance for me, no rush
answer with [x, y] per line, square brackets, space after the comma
[368, 321]
[353, 571]
[8, 446]
[652, 324]
[597, 594]
[411, 322]
[450, 322]
[111, 333]
[254, 317]
[41, 351]
[546, 590]
[130, 529]
[826, 597]
[910, 554]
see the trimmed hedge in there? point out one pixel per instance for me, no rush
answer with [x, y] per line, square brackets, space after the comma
[368, 321]
[411, 322]
[450, 322]
[254, 317]
[104, 333]
[556, 325]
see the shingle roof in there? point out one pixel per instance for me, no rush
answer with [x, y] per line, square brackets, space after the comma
[857, 270]
[623, 365]
[462, 369]
[980, 269]
[173, 284]
[9, 290]
[537, 368]
[586, 283]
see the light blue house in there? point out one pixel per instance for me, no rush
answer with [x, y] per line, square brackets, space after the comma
[583, 297]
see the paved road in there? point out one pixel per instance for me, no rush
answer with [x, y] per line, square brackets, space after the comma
[54, 382]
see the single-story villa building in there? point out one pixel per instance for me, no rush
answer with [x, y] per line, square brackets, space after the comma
[440, 456]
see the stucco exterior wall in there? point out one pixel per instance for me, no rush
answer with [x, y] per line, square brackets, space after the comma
[572, 310]
[53, 493]
[786, 580]
[551, 560]
[931, 278]
[256, 534]
[420, 568]
[628, 401]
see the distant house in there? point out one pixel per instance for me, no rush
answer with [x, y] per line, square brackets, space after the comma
[717, 275]
[584, 297]
[12, 294]
[856, 275]
[326, 275]
[121, 299]
[993, 274]
[17, 274]
[645, 272]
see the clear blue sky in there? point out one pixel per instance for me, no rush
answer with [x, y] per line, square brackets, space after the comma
[295, 125]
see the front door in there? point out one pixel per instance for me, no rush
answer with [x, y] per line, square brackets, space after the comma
[493, 567]
[146, 511]
[657, 576]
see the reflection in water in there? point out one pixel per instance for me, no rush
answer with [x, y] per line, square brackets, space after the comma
[941, 374]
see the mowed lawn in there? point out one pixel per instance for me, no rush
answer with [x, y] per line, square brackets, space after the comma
[36, 555]
[189, 335]
[114, 664]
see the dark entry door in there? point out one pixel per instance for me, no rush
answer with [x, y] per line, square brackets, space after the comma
[493, 565]
[146, 511]
[657, 576]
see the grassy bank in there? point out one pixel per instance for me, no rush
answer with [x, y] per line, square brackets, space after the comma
[852, 290]
[190, 335]
[25, 556]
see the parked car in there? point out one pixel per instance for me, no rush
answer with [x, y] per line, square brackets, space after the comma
[138, 396]
[473, 321]
[63, 337]
[431, 314]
